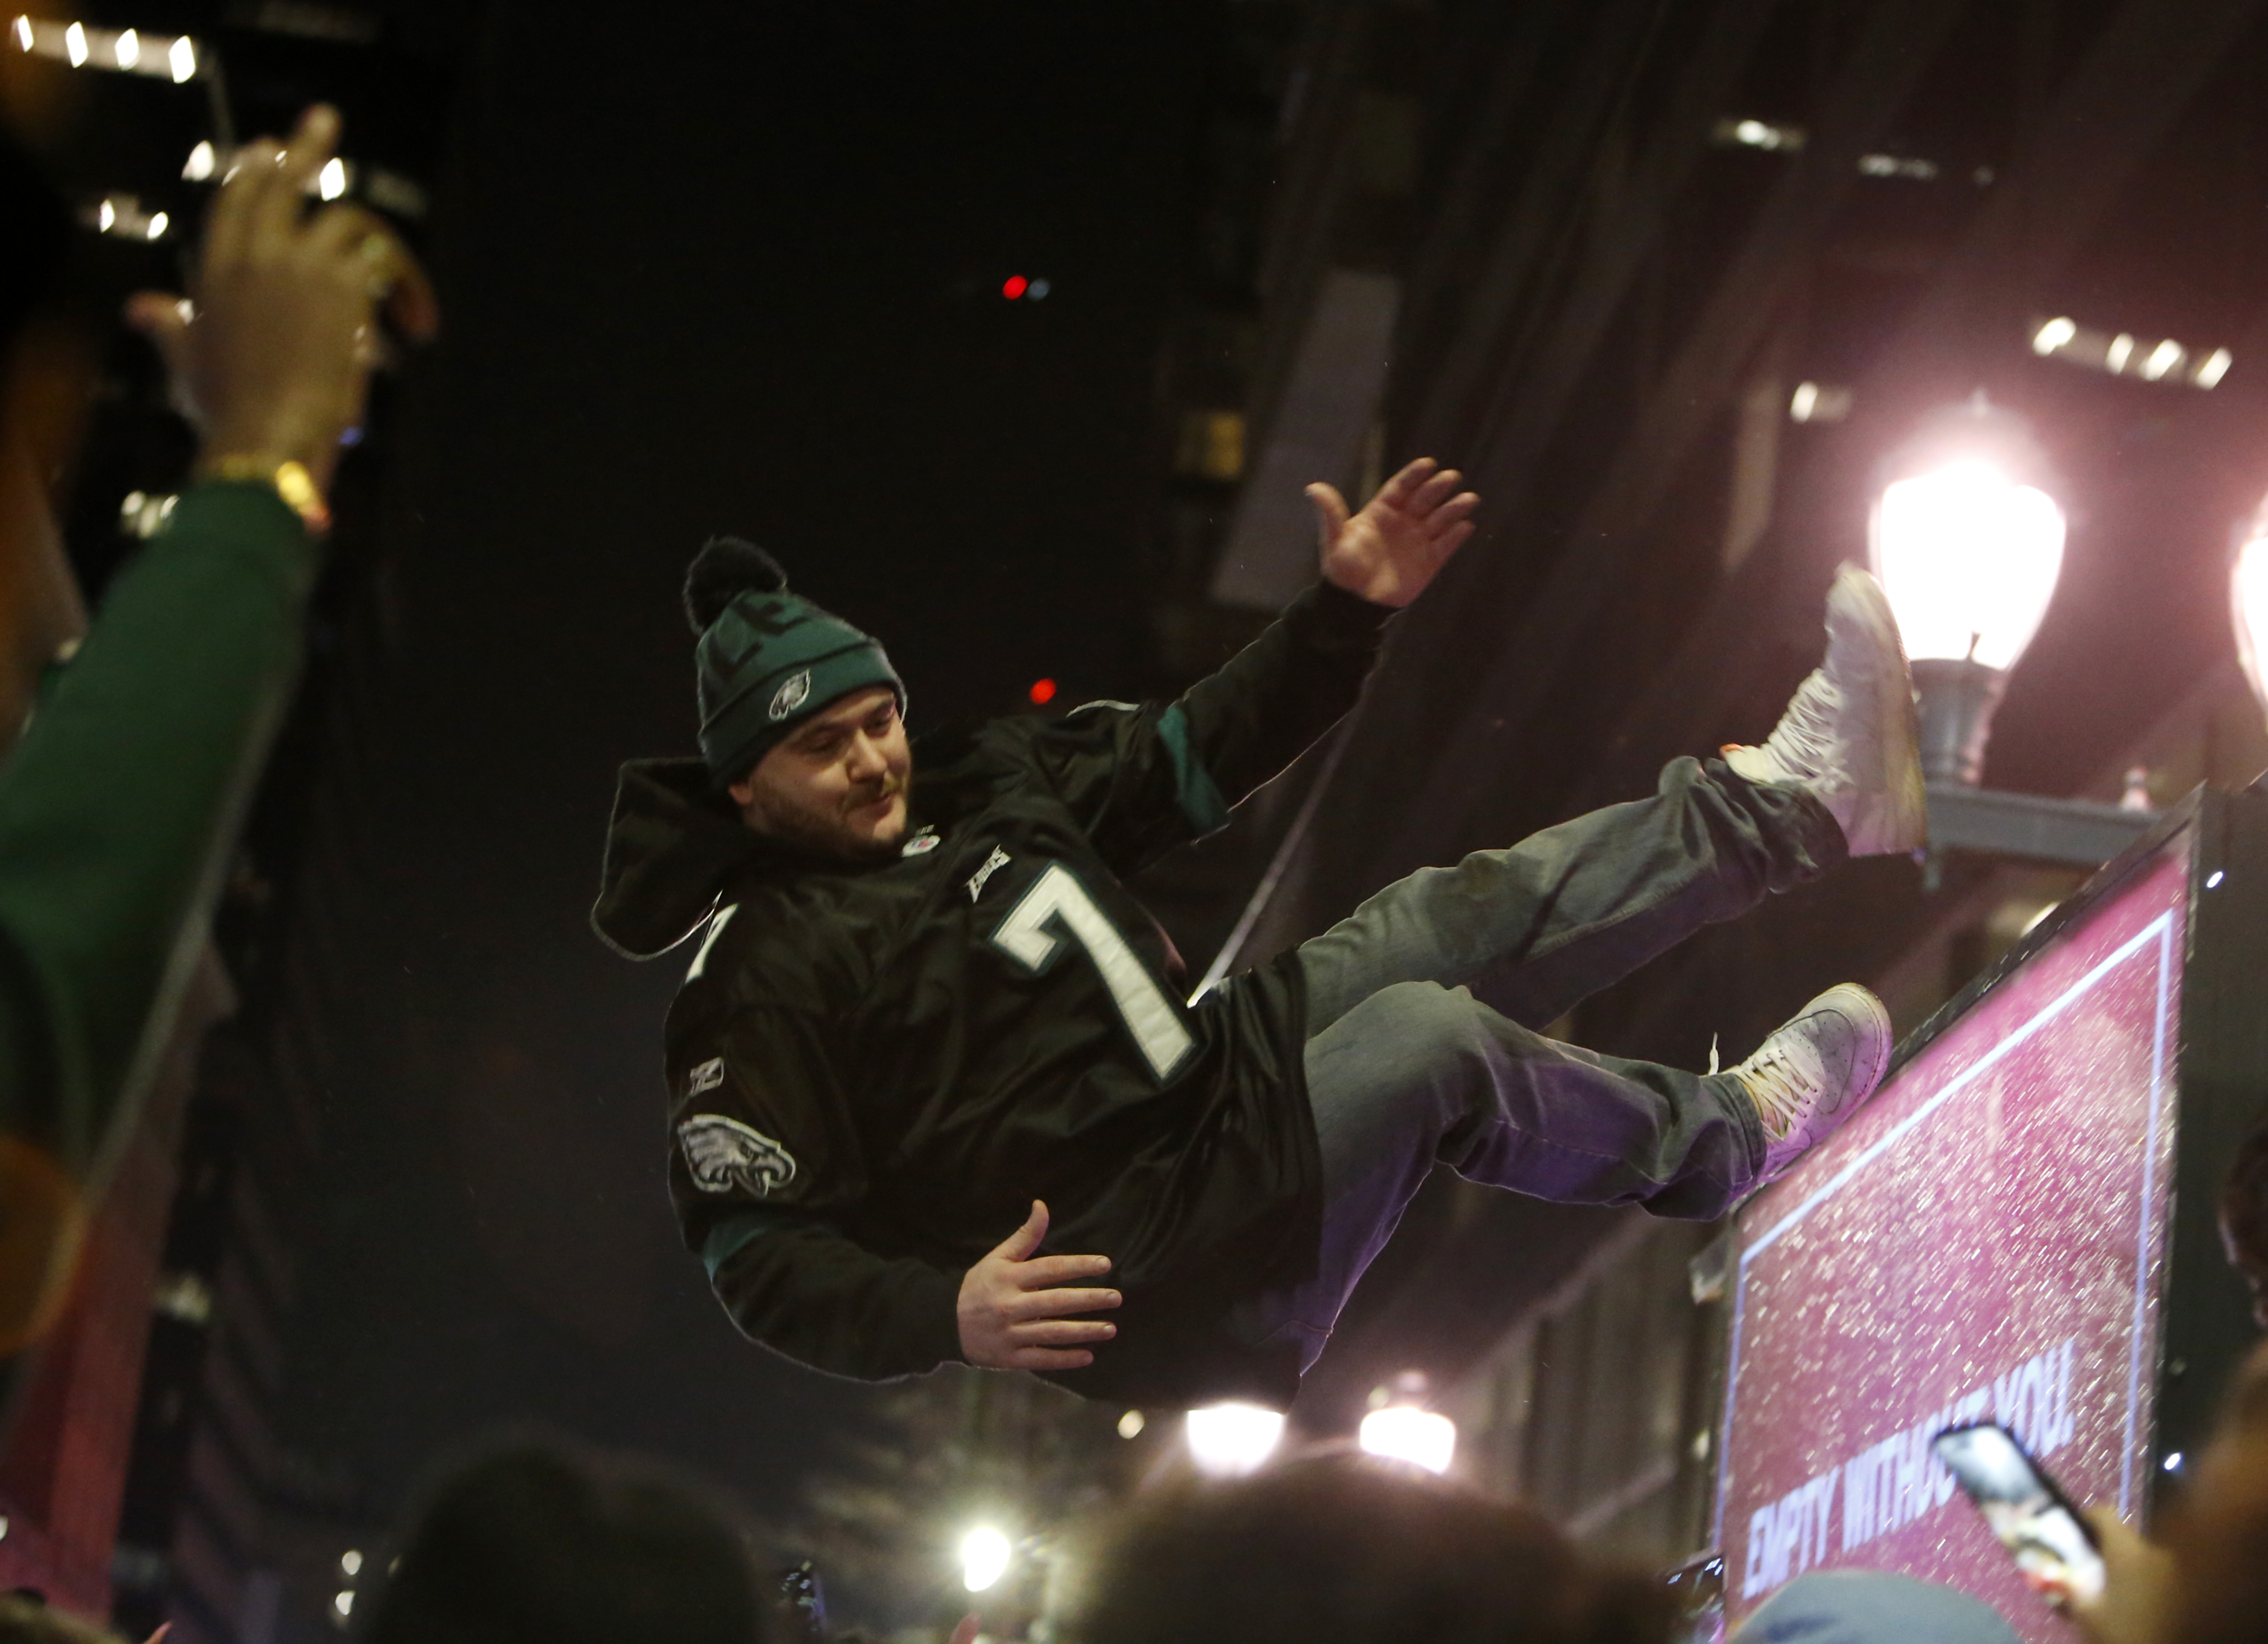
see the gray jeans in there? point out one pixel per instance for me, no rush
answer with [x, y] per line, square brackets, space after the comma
[1406, 1069]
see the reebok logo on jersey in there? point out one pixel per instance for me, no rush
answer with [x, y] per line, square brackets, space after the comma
[993, 864]
[794, 691]
[725, 1156]
[707, 1076]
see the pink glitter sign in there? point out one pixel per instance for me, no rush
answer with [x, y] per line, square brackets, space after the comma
[1986, 1241]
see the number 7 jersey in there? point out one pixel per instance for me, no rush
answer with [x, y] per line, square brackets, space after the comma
[875, 1069]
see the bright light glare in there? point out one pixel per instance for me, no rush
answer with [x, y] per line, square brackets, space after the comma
[1130, 1425]
[2121, 349]
[182, 59]
[1969, 559]
[157, 230]
[201, 163]
[2248, 595]
[343, 1604]
[128, 48]
[105, 216]
[2212, 368]
[351, 1561]
[1228, 1439]
[2162, 359]
[23, 33]
[1804, 402]
[1421, 1437]
[984, 1554]
[75, 45]
[331, 181]
[2053, 336]
[1754, 132]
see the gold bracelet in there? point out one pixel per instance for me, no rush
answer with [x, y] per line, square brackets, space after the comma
[286, 476]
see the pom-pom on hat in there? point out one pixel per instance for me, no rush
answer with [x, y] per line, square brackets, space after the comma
[766, 660]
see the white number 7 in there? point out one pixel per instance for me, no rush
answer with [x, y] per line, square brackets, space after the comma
[1058, 894]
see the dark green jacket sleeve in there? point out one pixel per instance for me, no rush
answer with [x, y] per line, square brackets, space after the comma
[1275, 698]
[802, 1289]
[1142, 780]
[118, 806]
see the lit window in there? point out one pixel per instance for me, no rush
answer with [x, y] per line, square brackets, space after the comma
[1211, 445]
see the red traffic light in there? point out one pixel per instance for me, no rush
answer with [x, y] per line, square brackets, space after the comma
[1014, 286]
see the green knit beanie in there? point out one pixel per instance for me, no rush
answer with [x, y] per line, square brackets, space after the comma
[767, 659]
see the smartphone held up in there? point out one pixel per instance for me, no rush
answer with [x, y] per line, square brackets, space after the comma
[2026, 1510]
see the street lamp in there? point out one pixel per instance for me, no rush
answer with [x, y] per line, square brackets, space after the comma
[1968, 545]
[1423, 1438]
[1401, 1428]
[2247, 600]
[1227, 1440]
[984, 1556]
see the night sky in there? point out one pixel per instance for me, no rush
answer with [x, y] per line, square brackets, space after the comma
[705, 268]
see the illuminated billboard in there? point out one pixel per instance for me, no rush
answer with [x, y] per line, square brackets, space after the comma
[1992, 1237]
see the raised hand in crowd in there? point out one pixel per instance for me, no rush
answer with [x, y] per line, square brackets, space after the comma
[121, 798]
[272, 351]
[2138, 1585]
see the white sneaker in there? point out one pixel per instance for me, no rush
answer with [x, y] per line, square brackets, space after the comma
[1815, 1070]
[1849, 736]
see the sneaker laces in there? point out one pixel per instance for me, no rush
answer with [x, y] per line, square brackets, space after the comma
[1777, 1087]
[1802, 743]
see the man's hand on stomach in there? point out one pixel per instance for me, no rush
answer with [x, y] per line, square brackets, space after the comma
[1016, 1311]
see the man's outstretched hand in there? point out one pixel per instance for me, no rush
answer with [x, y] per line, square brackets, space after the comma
[1388, 552]
[1015, 1309]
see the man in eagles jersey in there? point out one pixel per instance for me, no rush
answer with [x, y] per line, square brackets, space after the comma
[934, 1092]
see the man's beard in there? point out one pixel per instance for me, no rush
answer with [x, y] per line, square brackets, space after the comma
[828, 835]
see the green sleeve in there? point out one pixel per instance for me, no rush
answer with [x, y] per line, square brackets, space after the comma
[118, 806]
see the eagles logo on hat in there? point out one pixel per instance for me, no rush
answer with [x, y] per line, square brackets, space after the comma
[791, 696]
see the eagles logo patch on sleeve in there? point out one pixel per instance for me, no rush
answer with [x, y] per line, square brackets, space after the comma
[725, 1155]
